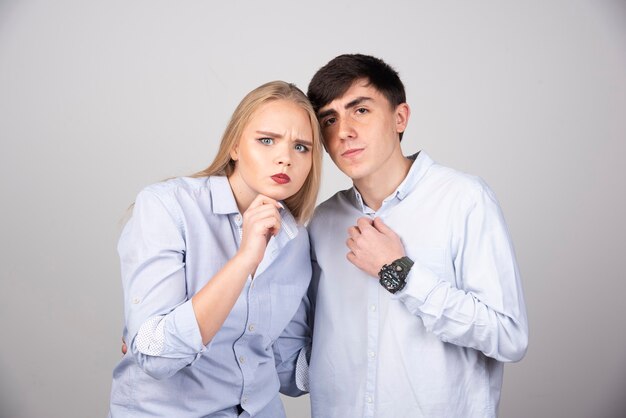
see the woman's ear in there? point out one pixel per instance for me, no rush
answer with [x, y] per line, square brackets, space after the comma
[234, 152]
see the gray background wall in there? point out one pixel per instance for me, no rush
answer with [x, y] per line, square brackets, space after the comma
[98, 99]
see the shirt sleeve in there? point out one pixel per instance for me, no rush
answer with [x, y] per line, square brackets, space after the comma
[161, 327]
[484, 308]
[292, 352]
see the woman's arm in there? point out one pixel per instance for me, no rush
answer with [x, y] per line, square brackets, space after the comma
[215, 300]
[165, 330]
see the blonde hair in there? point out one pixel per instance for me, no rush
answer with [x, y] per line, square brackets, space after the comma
[302, 203]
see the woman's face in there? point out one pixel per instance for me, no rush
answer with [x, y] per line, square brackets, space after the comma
[274, 153]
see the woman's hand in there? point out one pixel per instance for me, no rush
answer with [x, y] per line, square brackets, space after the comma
[261, 221]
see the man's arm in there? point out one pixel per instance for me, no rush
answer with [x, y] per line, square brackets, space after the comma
[487, 311]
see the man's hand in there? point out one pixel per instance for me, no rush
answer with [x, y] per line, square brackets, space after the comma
[124, 348]
[373, 244]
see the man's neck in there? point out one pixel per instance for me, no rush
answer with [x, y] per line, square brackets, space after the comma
[375, 188]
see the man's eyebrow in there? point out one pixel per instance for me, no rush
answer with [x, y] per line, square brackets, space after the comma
[353, 103]
[325, 113]
[357, 101]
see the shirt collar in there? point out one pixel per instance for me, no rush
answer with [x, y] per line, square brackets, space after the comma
[421, 163]
[288, 227]
[224, 203]
[222, 198]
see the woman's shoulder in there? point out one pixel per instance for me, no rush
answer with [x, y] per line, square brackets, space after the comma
[175, 192]
[177, 184]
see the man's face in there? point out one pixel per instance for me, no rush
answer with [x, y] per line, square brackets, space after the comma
[361, 132]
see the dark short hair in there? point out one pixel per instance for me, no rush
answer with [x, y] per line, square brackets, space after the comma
[335, 78]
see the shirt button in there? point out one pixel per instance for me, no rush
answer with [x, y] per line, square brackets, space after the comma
[369, 399]
[242, 359]
[373, 308]
[238, 219]
[251, 327]
[244, 401]
[371, 354]
[136, 300]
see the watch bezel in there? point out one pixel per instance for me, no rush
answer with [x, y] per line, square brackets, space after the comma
[393, 276]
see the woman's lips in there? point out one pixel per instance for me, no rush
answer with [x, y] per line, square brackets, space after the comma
[281, 178]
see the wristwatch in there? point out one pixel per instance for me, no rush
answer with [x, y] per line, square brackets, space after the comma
[393, 275]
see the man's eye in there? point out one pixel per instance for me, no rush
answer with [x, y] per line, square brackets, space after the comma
[328, 122]
[361, 110]
[266, 141]
[301, 148]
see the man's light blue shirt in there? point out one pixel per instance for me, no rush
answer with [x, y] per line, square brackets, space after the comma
[181, 234]
[435, 349]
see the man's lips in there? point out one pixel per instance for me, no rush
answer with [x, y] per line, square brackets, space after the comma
[351, 152]
[281, 178]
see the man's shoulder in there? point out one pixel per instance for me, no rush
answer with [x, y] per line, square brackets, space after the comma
[333, 203]
[328, 210]
[453, 180]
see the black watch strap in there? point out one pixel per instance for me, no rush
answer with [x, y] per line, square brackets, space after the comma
[405, 262]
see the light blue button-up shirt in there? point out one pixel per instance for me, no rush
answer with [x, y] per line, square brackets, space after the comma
[181, 233]
[435, 349]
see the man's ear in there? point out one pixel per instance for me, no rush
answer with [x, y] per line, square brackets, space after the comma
[402, 114]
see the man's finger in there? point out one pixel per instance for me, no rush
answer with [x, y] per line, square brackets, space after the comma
[381, 226]
[364, 224]
[353, 232]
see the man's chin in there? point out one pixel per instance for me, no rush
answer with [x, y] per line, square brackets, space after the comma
[351, 172]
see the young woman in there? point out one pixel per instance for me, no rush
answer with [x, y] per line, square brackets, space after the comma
[215, 268]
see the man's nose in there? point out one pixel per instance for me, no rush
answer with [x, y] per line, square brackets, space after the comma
[346, 128]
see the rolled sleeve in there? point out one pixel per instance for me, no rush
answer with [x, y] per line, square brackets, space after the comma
[290, 349]
[152, 250]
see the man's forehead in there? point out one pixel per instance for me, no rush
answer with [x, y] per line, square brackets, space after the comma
[357, 86]
[359, 89]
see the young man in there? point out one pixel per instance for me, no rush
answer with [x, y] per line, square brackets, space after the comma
[417, 296]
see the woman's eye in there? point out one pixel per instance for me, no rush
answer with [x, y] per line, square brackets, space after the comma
[301, 148]
[266, 141]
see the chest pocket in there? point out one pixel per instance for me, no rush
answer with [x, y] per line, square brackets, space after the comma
[285, 298]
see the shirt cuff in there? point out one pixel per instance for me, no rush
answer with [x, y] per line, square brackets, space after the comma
[151, 336]
[421, 281]
[182, 331]
[302, 369]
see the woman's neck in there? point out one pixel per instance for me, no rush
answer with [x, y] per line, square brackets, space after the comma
[243, 195]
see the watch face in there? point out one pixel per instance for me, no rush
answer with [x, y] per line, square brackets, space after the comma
[391, 280]
[393, 276]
